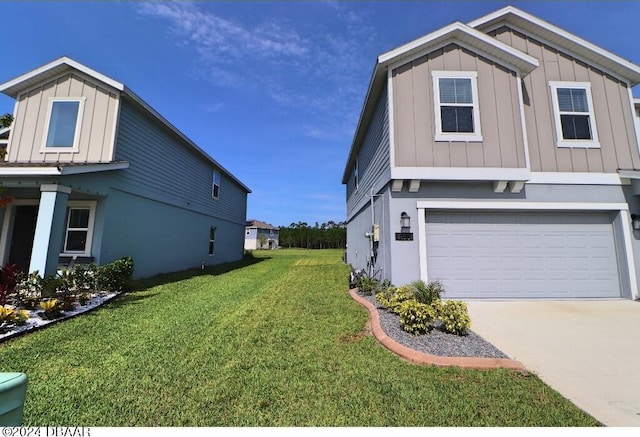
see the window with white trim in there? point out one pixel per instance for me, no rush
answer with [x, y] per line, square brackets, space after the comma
[79, 228]
[215, 192]
[457, 113]
[573, 114]
[212, 240]
[63, 124]
[356, 175]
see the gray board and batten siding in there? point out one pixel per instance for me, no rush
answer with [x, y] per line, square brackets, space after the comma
[613, 116]
[96, 129]
[502, 143]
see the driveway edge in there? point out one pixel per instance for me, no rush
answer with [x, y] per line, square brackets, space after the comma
[417, 357]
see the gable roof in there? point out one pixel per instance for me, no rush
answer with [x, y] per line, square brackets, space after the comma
[473, 36]
[252, 223]
[554, 36]
[456, 33]
[14, 87]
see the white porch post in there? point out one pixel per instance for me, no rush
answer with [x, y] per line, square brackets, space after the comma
[49, 229]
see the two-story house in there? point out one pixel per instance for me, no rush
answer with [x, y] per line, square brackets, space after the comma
[501, 158]
[260, 235]
[97, 174]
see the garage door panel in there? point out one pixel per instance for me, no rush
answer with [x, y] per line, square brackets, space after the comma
[523, 254]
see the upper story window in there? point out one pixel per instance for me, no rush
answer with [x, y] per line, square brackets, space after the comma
[216, 184]
[573, 114]
[63, 124]
[356, 176]
[457, 113]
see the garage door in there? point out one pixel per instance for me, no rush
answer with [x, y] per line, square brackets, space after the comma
[523, 255]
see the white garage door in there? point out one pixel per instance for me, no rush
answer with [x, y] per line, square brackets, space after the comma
[523, 255]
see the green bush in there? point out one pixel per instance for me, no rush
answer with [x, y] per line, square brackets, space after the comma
[51, 309]
[393, 297]
[367, 285]
[115, 276]
[416, 317]
[10, 317]
[455, 317]
[427, 293]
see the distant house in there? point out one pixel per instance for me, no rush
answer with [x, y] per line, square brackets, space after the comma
[97, 174]
[260, 235]
[500, 157]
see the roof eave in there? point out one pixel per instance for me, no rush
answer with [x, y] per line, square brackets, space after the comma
[13, 87]
[571, 43]
[455, 32]
[182, 136]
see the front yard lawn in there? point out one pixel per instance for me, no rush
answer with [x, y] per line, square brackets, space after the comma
[276, 341]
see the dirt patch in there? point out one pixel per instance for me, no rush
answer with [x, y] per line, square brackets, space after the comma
[357, 336]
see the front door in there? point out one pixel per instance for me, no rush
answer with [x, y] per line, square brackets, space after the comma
[24, 229]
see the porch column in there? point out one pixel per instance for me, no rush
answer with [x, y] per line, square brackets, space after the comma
[50, 228]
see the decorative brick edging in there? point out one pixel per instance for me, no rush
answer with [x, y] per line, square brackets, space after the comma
[417, 357]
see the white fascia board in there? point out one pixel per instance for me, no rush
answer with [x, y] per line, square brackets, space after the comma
[56, 63]
[93, 168]
[5, 129]
[568, 39]
[459, 32]
[520, 205]
[576, 178]
[461, 173]
[30, 171]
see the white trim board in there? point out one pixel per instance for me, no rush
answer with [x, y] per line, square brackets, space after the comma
[519, 205]
[461, 173]
[578, 178]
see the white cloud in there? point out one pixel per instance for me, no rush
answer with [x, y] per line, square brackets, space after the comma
[305, 65]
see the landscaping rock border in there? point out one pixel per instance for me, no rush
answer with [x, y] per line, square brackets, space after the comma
[35, 322]
[436, 348]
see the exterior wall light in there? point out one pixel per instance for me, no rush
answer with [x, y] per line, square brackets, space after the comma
[405, 222]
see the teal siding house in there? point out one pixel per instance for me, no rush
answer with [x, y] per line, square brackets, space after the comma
[97, 174]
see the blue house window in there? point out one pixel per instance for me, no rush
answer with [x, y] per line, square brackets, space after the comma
[216, 184]
[212, 240]
[79, 227]
[63, 126]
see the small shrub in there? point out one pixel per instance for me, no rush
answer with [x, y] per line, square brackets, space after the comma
[115, 276]
[367, 285]
[51, 285]
[396, 297]
[51, 309]
[84, 298]
[29, 291]
[455, 317]
[385, 295]
[427, 293]
[10, 317]
[9, 277]
[416, 317]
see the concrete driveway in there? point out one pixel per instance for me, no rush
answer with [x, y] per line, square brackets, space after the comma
[589, 351]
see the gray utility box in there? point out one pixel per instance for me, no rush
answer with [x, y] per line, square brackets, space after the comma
[13, 391]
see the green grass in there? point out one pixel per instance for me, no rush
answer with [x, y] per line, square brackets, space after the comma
[274, 341]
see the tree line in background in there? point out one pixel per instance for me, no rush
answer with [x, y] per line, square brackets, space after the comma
[330, 235]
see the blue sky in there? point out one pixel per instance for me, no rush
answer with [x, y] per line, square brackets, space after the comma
[271, 90]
